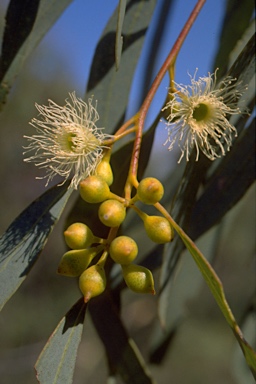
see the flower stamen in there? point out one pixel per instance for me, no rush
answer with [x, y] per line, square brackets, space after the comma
[198, 116]
[67, 142]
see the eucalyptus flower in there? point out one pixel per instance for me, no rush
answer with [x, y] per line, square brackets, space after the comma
[67, 142]
[198, 116]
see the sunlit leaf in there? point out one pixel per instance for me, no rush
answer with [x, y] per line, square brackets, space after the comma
[119, 38]
[16, 49]
[110, 87]
[19, 21]
[244, 67]
[56, 362]
[241, 43]
[24, 240]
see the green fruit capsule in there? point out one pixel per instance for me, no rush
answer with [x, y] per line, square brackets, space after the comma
[104, 171]
[139, 279]
[112, 213]
[158, 229]
[150, 190]
[92, 282]
[78, 236]
[94, 189]
[75, 262]
[123, 250]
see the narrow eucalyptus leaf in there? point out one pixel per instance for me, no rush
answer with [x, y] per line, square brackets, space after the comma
[119, 38]
[110, 87]
[19, 21]
[122, 352]
[244, 67]
[152, 53]
[24, 240]
[241, 43]
[56, 362]
[235, 22]
[227, 185]
[216, 287]
[22, 46]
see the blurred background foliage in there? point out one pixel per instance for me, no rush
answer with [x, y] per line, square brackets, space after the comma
[195, 345]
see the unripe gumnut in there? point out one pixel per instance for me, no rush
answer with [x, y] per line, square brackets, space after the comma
[112, 213]
[104, 170]
[78, 236]
[139, 279]
[92, 282]
[150, 190]
[123, 250]
[158, 229]
[94, 189]
[73, 263]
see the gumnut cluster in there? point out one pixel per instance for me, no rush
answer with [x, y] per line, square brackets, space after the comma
[123, 250]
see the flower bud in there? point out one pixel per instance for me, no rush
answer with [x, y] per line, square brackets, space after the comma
[112, 213]
[123, 250]
[92, 282]
[78, 236]
[74, 262]
[150, 190]
[139, 279]
[158, 229]
[104, 170]
[94, 189]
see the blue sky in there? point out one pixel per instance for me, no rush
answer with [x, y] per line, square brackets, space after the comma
[74, 37]
[76, 33]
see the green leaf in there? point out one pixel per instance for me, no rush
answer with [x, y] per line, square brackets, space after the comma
[19, 21]
[182, 206]
[244, 67]
[217, 291]
[16, 49]
[24, 240]
[123, 354]
[110, 87]
[235, 22]
[226, 186]
[119, 38]
[241, 43]
[152, 52]
[56, 362]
